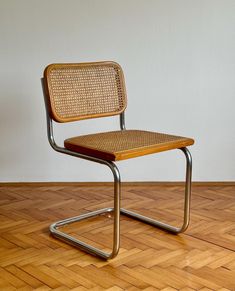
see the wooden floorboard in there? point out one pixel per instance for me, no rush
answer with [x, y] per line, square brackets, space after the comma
[203, 258]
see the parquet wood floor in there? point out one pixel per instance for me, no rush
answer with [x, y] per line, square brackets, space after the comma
[203, 258]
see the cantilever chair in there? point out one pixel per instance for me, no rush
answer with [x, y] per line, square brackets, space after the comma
[74, 92]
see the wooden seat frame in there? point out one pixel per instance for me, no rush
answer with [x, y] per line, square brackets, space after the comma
[116, 209]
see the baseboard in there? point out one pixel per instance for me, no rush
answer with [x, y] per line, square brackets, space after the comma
[91, 184]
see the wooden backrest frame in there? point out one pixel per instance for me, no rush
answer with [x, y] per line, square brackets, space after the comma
[79, 83]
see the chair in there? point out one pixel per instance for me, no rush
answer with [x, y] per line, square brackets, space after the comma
[74, 92]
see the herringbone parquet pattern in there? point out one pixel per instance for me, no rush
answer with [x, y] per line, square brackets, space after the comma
[203, 258]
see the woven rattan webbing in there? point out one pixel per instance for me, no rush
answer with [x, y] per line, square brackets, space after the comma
[86, 90]
[119, 145]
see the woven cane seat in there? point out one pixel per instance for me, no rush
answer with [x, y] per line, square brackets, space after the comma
[121, 145]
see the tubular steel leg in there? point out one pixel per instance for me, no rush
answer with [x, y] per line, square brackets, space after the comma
[187, 199]
[54, 228]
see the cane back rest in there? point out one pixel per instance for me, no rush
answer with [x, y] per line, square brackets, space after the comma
[84, 90]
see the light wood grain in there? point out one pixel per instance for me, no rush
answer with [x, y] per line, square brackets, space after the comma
[203, 258]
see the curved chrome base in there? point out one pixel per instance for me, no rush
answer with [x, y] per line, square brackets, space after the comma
[54, 228]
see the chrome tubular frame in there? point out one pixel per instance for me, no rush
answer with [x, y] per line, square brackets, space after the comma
[187, 200]
[54, 228]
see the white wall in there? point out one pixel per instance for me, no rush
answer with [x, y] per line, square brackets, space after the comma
[179, 62]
